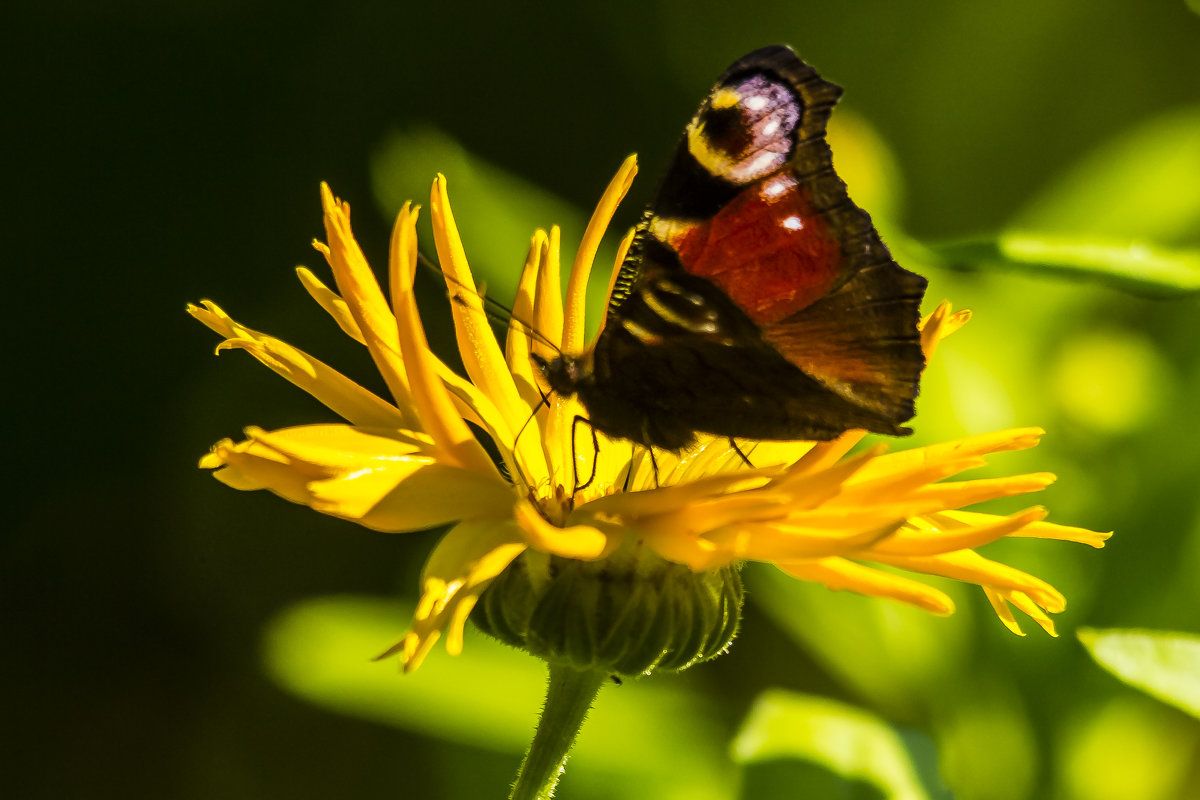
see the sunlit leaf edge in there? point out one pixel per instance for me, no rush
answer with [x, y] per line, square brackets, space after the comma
[1136, 267]
[1163, 664]
[845, 740]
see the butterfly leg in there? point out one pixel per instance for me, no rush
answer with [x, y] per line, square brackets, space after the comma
[741, 455]
[595, 453]
[629, 468]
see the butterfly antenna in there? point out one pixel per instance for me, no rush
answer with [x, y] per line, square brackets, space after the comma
[495, 311]
[545, 401]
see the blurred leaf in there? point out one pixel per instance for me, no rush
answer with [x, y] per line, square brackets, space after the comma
[867, 165]
[987, 745]
[921, 651]
[1143, 184]
[1108, 217]
[1130, 265]
[1127, 746]
[1163, 664]
[653, 731]
[868, 755]
[1113, 380]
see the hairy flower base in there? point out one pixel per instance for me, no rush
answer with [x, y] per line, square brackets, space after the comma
[818, 511]
[629, 614]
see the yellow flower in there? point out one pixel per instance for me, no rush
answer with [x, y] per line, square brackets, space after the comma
[412, 462]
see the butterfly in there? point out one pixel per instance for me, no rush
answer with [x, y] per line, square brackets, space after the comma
[756, 300]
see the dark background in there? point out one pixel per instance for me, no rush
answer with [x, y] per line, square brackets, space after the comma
[164, 154]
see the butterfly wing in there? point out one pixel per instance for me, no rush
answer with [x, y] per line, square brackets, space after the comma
[757, 299]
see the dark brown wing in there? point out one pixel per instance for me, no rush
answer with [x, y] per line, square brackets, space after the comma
[752, 204]
[757, 300]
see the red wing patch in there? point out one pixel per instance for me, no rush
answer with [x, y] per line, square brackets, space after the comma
[767, 249]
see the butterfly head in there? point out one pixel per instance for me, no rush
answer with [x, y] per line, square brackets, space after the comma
[563, 373]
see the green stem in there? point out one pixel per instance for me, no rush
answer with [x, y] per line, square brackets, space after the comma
[569, 695]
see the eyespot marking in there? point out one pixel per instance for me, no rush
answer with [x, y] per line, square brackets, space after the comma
[747, 130]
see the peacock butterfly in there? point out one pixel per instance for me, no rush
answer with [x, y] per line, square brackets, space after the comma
[757, 299]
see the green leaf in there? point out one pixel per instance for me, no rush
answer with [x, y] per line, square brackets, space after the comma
[1127, 214]
[489, 697]
[1163, 664]
[1143, 184]
[1131, 265]
[869, 757]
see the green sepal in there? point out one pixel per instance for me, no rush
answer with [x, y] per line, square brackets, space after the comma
[629, 614]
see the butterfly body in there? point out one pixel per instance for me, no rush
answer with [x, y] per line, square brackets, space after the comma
[757, 299]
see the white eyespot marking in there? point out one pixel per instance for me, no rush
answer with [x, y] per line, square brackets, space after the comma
[756, 102]
[758, 166]
[747, 130]
[793, 223]
[777, 186]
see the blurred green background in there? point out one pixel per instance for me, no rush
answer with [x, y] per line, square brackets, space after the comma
[169, 637]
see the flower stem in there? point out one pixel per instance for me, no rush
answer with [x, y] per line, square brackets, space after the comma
[569, 695]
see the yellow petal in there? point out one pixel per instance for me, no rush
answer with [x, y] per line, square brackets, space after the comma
[248, 467]
[482, 358]
[332, 302]
[964, 493]
[841, 574]
[900, 484]
[572, 340]
[548, 303]
[341, 448]
[470, 402]
[1000, 606]
[697, 554]
[940, 324]
[434, 407]
[343, 396]
[287, 461]
[672, 498]
[970, 567]
[700, 517]
[461, 566]
[584, 542]
[782, 542]
[521, 332]
[359, 288]
[412, 497]
[383, 480]
[481, 354]
[809, 489]
[952, 451]
[1036, 530]
[1030, 607]
[924, 539]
